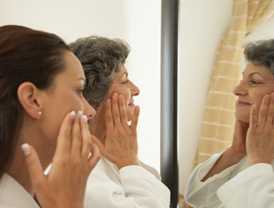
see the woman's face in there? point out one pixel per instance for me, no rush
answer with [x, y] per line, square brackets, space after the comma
[121, 84]
[256, 82]
[63, 96]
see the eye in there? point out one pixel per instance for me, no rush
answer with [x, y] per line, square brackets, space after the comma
[253, 82]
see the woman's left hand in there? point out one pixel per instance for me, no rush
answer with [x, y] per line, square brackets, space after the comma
[260, 135]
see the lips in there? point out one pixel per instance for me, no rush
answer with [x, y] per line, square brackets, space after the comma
[242, 102]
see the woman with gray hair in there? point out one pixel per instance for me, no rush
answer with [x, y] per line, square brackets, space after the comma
[242, 176]
[119, 179]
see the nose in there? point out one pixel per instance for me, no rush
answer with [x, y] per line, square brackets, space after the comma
[134, 89]
[240, 89]
[89, 111]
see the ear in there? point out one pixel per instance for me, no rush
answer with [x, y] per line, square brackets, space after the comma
[30, 98]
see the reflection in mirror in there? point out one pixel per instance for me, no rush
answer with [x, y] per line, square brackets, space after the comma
[215, 137]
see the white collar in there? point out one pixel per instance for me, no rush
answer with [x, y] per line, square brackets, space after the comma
[12, 194]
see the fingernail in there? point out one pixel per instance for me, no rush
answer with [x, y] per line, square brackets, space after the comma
[80, 113]
[26, 149]
[84, 118]
[72, 114]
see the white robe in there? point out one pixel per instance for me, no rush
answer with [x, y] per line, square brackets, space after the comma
[130, 187]
[13, 195]
[108, 187]
[239, 186]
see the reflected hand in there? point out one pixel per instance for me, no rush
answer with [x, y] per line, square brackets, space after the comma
[260, 140]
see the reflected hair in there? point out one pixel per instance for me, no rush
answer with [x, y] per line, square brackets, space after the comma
[101, 58]
[261, 53]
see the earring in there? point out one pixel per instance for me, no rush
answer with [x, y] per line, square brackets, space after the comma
[39, 113]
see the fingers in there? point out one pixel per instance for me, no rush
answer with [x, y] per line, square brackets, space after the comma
[108, 117]
[270, 113]
[253, 119]
[86, 137]
[64, 138]
[115, 110]
[35, 169]
[135, 118]
[123, 111]
[76, 136]
[264, 109]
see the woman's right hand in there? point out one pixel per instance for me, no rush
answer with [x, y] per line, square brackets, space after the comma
[73, 161]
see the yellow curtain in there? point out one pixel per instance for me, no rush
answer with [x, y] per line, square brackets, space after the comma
[218, 121]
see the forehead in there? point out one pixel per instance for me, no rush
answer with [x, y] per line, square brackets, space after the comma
[72, 68]
[257, 69]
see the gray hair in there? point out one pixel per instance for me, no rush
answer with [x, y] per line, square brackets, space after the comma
[261, 53]
[101, 58]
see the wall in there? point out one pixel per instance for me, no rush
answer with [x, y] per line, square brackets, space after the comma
[138, 22]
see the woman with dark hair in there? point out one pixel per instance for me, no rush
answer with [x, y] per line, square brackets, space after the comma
[119, 179]
[242, 176]
[41, 81]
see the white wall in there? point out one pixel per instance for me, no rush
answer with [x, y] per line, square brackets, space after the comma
[144, 30]
[202, 24]
[138, 22]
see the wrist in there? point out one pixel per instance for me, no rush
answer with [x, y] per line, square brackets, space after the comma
[234, 154]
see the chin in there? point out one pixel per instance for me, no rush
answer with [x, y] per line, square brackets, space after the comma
[243, 117]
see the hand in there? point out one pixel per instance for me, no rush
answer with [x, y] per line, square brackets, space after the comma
[238, 147]
[121, 137]
[73, 161]
[260, 139]
[233, 154]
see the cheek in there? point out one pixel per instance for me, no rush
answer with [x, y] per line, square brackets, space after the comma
[256, 96]
[120, 89]
[57, 110]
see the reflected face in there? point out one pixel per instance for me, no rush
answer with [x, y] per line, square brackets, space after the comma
[121, 84]
[63, 96]
[256, 82]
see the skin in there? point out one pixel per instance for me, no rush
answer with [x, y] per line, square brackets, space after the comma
[41, 130]
[257, 81]
[260, 135]
[252, 137]
[122, 85]
[115, 124]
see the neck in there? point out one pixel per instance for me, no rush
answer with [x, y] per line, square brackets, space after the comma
[18, 168]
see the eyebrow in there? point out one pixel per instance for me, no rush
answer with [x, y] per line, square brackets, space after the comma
[251, 74]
